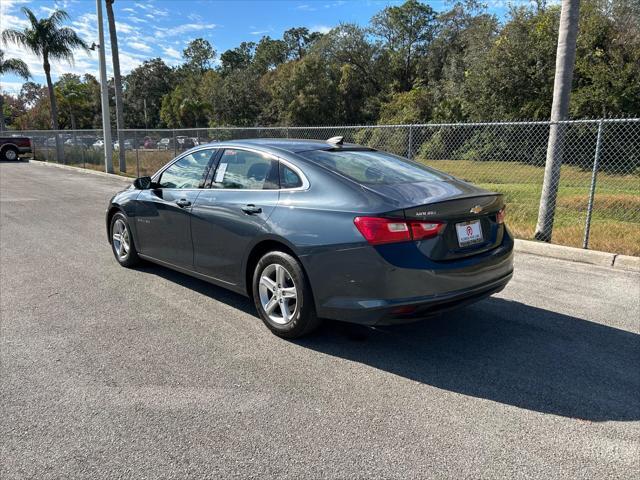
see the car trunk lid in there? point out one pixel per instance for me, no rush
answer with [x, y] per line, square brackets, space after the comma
[467, 212]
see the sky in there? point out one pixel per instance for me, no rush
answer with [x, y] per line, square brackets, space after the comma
[162, 28]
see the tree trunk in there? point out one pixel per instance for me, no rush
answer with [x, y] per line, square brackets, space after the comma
[565, 59]
[73, 128]
[117, 79]
[2, 126]
[54, 109]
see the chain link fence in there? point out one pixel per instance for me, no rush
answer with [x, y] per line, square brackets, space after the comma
[598, 200]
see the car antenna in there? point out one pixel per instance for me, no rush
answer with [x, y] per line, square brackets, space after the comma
[337, 141]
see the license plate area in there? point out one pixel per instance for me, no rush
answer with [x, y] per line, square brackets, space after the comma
[469, 233]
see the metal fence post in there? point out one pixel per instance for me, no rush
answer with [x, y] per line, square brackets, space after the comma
[410, 153]
[592, 190]
[175, 144]
[137, 153]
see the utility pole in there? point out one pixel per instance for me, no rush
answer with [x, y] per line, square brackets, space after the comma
[106, 118]
[146, 123]
[565, 60]
[117, 81]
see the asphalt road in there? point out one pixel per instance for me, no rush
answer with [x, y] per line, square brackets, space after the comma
[108, 372]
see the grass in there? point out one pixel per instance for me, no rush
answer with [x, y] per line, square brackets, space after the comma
[615, 223]
[148, 161]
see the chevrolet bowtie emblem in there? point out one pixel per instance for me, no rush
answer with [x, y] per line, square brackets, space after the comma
[476, 209]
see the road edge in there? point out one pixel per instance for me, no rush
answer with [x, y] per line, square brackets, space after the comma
[573, 254]
[580, 255]
[80, 169]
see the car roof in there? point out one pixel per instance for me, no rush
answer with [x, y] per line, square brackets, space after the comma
[292, 145]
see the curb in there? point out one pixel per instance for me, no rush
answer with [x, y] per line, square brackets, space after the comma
[627, 262]
[573, 254]
[82, 170]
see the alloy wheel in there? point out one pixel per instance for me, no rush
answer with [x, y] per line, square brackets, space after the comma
[278, 294]
[120, 239]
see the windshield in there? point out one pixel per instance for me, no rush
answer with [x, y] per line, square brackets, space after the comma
[372, 167]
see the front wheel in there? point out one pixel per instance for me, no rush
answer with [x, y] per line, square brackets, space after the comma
[282, 296]
[122, 241]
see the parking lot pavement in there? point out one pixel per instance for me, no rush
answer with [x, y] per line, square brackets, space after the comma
[108, 372]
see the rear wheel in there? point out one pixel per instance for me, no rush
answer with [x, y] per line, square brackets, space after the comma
[122, 241]
[9, 153]
[283, 297]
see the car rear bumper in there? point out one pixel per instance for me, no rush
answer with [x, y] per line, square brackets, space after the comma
[360, 285]
[405, 310]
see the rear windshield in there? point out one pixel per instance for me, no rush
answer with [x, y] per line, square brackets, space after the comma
[371, 167]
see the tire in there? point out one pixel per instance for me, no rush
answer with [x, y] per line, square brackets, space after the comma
[273, 297]
[125, 252]
[9, 154]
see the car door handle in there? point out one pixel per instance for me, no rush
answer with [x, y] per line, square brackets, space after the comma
[251, 209]
[183, 202]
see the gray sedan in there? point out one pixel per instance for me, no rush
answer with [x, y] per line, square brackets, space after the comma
[314, 229]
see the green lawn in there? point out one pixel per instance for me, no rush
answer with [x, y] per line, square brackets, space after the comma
[615, 225]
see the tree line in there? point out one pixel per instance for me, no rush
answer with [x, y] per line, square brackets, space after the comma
[410, 64]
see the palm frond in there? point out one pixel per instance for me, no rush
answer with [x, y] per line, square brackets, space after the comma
[31, 16]
[15, 66]
[45, 37]
[57, 17]
[71, 38]
[62, 44]
[11, 35]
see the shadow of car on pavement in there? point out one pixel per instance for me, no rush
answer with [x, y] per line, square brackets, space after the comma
[497, 349]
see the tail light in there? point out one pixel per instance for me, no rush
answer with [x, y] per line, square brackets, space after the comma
[422, 230]
[500, 215]
[378, 230]
[382, 230]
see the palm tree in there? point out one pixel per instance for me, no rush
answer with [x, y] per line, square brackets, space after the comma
[565, 60]
[117, 79]
[48, 39]
[13, 66]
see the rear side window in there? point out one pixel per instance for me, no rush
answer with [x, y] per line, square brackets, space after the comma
[243, 169]
[289, 178]
[371, 167]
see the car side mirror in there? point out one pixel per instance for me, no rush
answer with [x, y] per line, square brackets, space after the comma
[142, 183]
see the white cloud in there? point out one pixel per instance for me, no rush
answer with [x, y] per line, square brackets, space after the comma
[86, 26]
[259, 32]
[124, 27]
[47, 10]
[139, 46]
[8, 8]
[152, 8]
[184, 28]
[171, 56]
[320, 28]
[12, 88]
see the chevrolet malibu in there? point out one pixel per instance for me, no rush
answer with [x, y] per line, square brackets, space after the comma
[314, 229]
